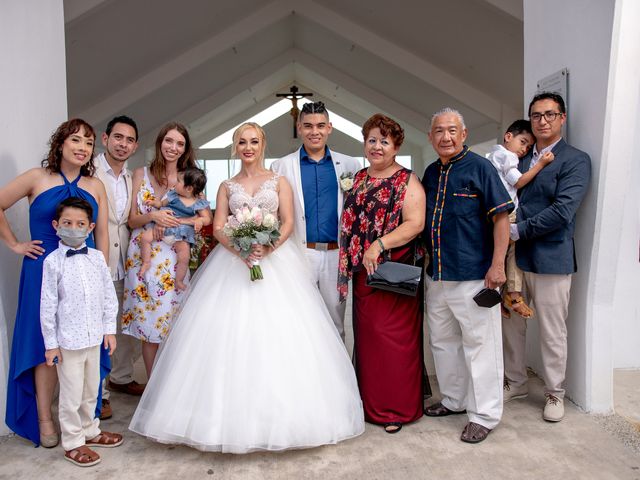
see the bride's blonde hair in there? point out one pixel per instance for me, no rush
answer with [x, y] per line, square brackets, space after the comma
[261, 136]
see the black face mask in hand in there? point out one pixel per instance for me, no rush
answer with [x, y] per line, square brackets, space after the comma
[487, 297]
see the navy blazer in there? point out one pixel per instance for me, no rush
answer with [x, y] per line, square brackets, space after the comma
[547, 209]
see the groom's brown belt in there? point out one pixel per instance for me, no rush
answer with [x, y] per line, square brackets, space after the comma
[323, 246]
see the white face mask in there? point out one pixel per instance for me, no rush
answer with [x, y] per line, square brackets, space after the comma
[74, 237]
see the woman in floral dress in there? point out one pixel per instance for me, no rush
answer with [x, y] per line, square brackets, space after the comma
[150, 304]
[384, 210]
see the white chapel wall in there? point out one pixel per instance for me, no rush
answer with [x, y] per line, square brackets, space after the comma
[34, 103]
[622, 144]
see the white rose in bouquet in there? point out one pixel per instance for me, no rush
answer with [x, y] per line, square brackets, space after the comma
[269, 220]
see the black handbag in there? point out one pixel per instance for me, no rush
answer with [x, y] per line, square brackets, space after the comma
[395, 276]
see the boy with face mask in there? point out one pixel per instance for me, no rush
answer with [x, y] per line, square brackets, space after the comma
[77, 315]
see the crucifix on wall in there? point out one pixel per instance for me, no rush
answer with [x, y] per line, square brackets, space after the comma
[294, 96]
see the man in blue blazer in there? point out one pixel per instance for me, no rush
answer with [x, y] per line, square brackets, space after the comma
[545, 252]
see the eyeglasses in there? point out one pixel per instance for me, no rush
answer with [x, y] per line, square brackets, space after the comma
[548, 116]
[315, 107]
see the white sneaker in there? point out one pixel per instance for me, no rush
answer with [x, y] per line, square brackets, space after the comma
[553, 409]
[510, 392]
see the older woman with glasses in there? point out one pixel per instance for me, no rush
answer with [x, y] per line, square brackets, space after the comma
[383, 214]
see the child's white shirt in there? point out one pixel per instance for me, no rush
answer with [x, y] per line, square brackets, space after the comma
[78, 303]
[506, 162]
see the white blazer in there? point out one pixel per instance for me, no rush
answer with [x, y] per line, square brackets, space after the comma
[289, 167]
[118, 228]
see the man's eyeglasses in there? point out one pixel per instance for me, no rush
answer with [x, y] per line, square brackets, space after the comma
[315, 107]
[548, 116]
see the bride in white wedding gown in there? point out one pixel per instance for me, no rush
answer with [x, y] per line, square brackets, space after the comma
[252, 365]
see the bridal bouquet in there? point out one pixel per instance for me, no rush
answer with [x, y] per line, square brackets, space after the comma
[251, 227]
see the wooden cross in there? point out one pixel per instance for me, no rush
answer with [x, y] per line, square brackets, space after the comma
[294, 96]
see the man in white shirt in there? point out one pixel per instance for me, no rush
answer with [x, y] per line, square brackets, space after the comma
[120, 140]
[315, 174]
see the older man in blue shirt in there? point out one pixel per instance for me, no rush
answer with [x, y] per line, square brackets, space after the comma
[467, 234]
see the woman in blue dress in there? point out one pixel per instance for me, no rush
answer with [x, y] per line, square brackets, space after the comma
[67, 171]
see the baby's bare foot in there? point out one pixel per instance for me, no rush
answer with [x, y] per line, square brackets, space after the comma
[143, 268]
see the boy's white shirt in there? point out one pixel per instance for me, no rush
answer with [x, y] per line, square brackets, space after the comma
[506, 162]
[78, 303]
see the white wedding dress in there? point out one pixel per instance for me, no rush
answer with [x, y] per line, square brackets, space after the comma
[252, 365]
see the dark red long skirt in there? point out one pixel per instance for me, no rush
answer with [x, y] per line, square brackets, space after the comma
[388, 352]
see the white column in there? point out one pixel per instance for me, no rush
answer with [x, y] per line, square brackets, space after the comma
[618, 297]
[34, 102]
[597, 40]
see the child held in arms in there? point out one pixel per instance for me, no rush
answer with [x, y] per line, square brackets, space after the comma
[77, 316]
[518, 139]
[185, 203]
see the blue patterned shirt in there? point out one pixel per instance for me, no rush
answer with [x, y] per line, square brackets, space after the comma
[462, 199]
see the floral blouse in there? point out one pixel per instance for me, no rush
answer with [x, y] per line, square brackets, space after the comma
[366, 216]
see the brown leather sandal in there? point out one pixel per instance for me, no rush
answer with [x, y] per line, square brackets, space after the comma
[82, 456]
[474, 433]
[106, 439]
[518, 305]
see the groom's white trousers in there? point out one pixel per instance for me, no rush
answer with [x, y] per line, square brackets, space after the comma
[324, 269]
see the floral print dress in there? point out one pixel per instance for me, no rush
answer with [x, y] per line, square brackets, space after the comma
[387, 327]
[365, 215]
[149, 305]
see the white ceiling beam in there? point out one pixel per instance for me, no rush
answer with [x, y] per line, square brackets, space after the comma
[241, 95]
[241, 100]
[238, 103]
[401, 58]
[210, 114]
[343, 82]
[251, 87]
[254, 91]
[192, 58]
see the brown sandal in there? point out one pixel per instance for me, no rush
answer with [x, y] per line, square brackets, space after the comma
[474, 433]
[82, 456]
[106, 439]
[518, 305]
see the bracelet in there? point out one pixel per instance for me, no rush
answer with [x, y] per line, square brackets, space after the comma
[381, 244]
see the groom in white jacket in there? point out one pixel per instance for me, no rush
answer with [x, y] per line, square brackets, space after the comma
[315, 174]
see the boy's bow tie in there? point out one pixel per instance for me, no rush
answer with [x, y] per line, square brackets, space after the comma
[71, 252]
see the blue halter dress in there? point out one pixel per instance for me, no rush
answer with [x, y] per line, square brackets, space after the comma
[27, 350]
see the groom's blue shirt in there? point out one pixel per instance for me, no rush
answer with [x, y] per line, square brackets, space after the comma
[320, 192]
